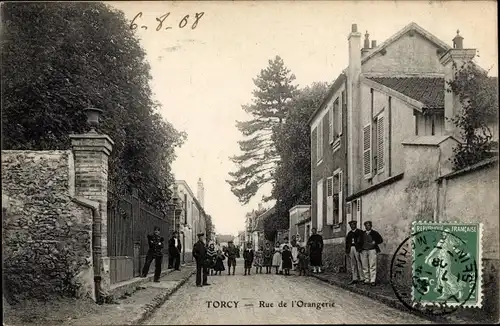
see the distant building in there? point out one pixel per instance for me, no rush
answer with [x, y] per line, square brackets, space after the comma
[300, 223]
[223, 239]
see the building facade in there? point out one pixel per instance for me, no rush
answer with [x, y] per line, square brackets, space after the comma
[192, 220]
[394, 112]
[328, 170]
[300, 217]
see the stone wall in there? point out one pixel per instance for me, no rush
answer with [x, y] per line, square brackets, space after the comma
[47, 245]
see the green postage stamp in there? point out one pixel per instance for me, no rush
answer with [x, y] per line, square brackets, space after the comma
[446, 268]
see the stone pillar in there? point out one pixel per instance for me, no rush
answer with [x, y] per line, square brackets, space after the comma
[91, 152]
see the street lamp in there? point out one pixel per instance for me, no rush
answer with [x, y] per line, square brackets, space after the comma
[93, 118]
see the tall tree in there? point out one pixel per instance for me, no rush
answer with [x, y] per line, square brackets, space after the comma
[59, 58]
[256, 166]
[293, 143]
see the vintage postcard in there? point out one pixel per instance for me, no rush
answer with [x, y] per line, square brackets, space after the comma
[250, 162]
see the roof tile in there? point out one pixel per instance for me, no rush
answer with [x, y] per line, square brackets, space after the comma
[428, 90]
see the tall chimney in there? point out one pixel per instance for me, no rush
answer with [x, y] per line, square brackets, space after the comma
[452, 105]
[353, 73]
[366, 45]
[201, 193]
[374, 44]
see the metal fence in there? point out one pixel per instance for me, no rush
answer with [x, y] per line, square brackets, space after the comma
[129, 223]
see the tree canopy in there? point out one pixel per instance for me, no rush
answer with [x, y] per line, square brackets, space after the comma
[293, 143]
[257, 164]
[478, 95]
[59, 58]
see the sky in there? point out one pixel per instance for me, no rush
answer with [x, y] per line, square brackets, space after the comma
[203, 76]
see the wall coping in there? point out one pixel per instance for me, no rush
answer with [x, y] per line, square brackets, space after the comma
[92, 136]
[427, 140]
[298, 206]
[375, 187]
[480, 165]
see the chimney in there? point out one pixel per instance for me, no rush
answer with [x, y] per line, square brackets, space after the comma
[374, 44]
[366, 46]
[353, 73]
[201, 193]
[459, 56]
[260, 206]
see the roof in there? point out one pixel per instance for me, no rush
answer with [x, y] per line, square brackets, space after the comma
[427, 90]
[410, 27]
[225, 238]
[335, 86]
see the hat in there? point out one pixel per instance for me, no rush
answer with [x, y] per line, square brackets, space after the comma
[353, 222]
[368, 222]
[201, 234]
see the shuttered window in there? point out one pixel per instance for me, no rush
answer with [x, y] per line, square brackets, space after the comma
[319, 141]
[340, 198]
[367, 155]
[380, 143]
[329, 201]
[348, 214]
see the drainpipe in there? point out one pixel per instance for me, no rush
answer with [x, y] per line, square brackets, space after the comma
[96, 245]
[97, 253]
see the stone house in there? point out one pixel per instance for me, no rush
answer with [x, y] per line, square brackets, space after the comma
[192, 220]
[400, 140]
[328, 170]
[223, 239]
[303, 225]
[258, 238]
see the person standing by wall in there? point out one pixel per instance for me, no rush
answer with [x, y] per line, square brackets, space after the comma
[231, 253]
[353, 243]
[174, 252]
[155, 252]
[370, 241]
[200, 254]
[315, 245]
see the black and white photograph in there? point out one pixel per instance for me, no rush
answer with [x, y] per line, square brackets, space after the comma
[250, 162]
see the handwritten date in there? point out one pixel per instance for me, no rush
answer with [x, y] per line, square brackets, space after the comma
[162, 19]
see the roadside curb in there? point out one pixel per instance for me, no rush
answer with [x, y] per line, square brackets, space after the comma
[159, 300]
[391, 302]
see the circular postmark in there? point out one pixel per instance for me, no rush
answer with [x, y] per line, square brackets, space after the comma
[434, 272]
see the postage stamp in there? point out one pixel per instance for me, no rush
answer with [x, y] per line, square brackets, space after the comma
[446, 266]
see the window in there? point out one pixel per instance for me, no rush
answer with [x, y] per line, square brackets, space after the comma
[337, 198]
[319, 203]
[319, 141]
[330, 124]
[358, 210]
[335, 121]
[367, 153]
[348, 213]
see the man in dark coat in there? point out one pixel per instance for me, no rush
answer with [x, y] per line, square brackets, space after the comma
[369, 250]
[231, 253]
[200, 254]
[248, 257]
[174, 252]
[315, 245]
[353, 246]
[155, 252]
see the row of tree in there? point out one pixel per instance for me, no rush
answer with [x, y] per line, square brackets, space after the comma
[277, 142]
[276, 148]
[59, 58]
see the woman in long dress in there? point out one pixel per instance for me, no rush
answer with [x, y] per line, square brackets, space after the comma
[211, 257]
[277, 257]
[285, 243]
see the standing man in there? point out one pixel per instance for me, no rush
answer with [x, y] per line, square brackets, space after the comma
[200, 254]
[248, 256]
[369, 245]
[155, 252]
[174, 252]
[231, 254]
[315, 245]
[353, 243]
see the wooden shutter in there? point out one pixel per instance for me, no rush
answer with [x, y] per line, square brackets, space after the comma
[340, 198]
[330, 124]
[341, 110]
[348, 213]
[380, 143]
[319, 202]
[329, 201]
[367, 153]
